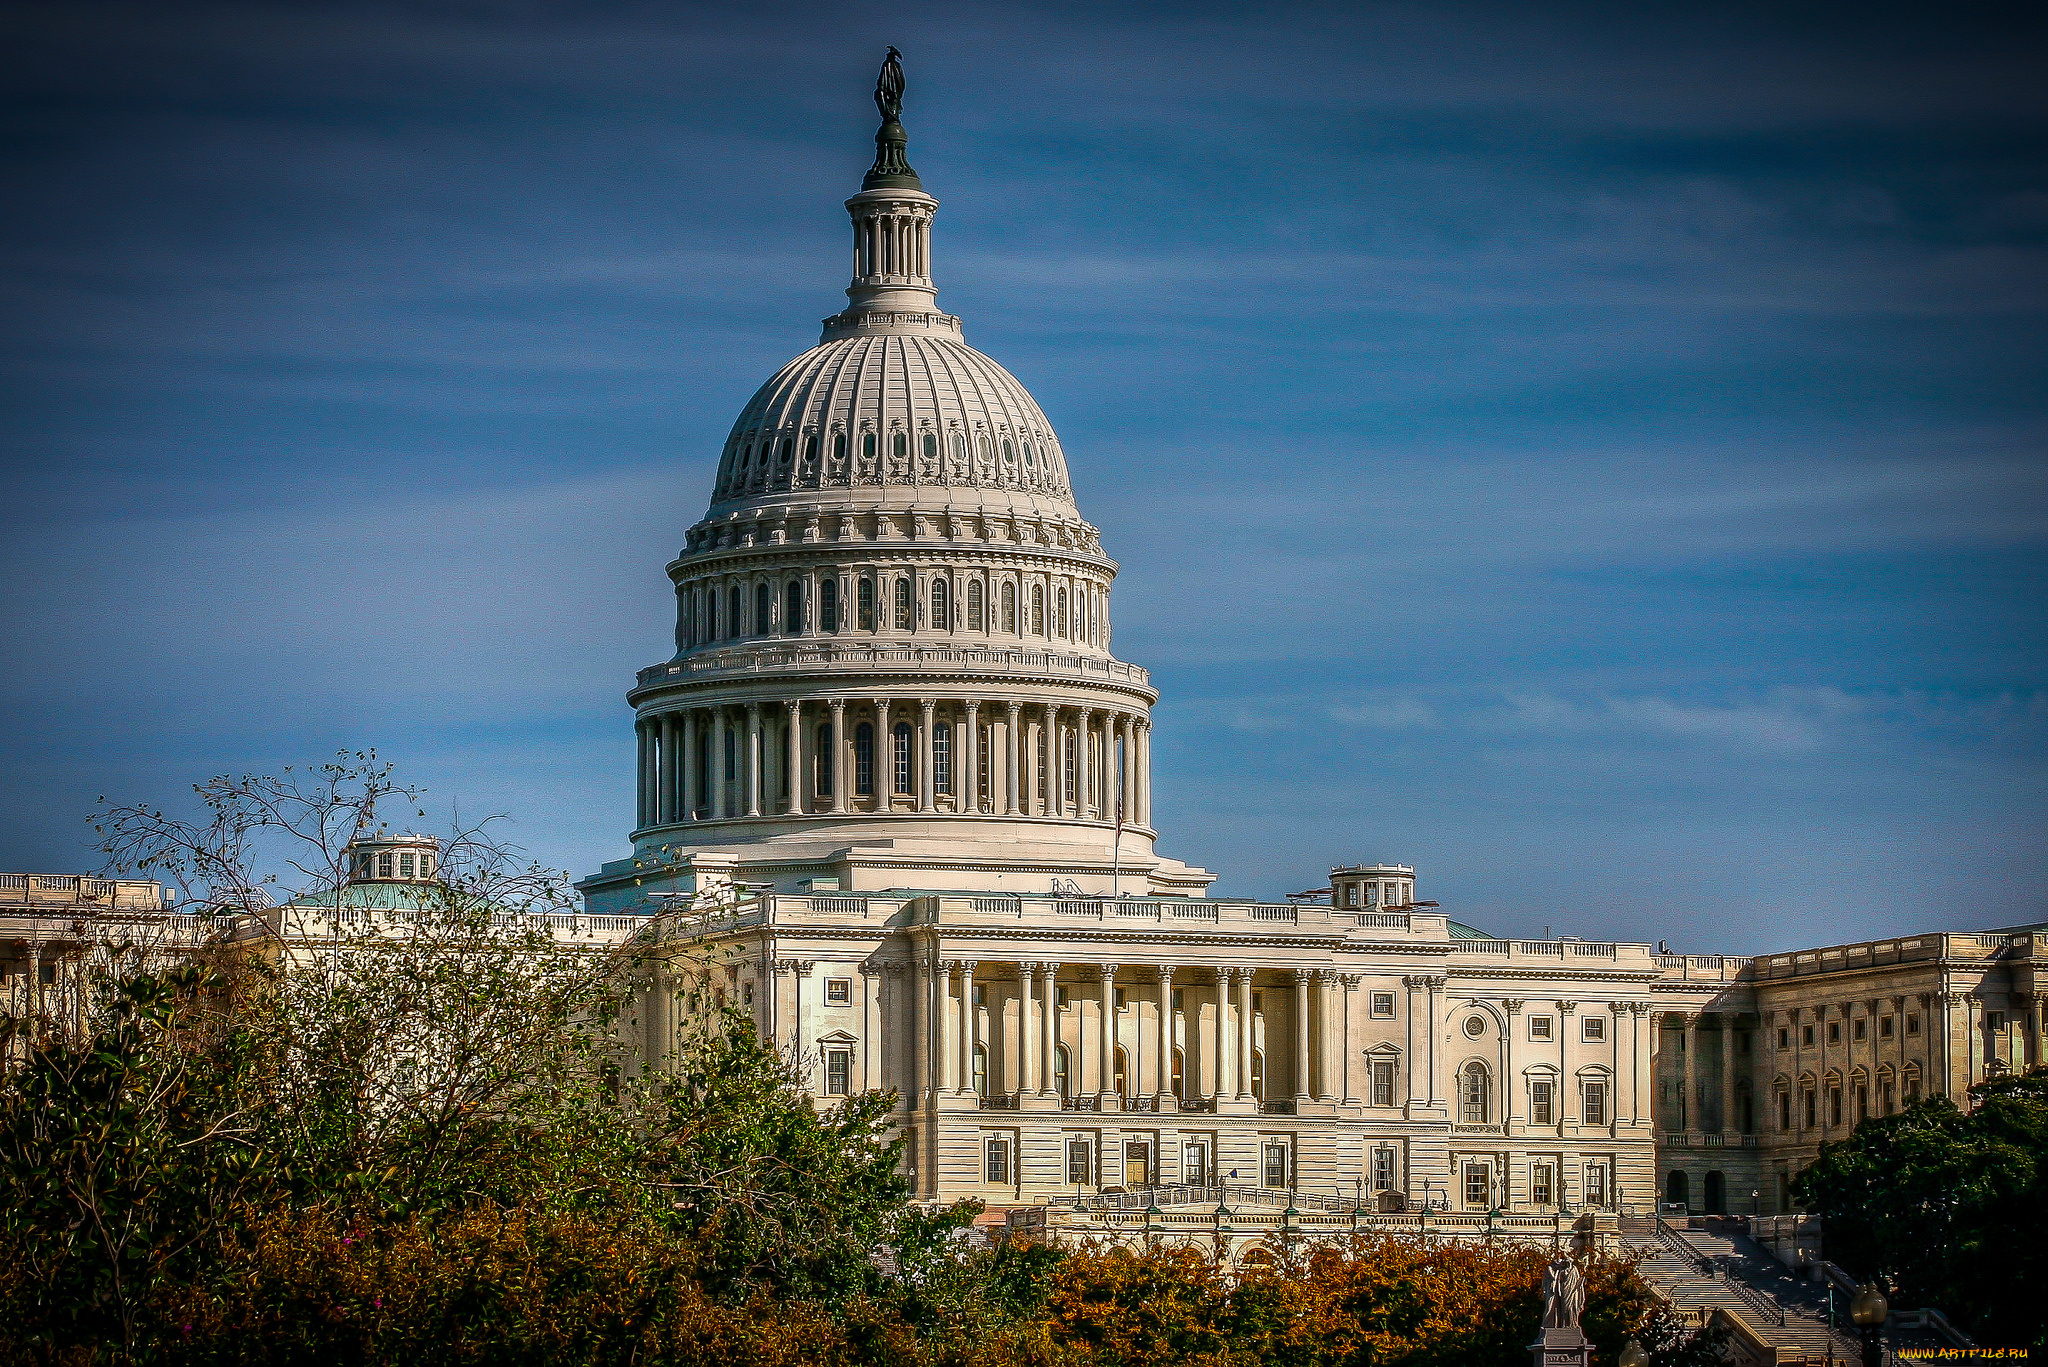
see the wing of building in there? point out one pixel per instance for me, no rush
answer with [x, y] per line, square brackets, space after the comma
[894, 791]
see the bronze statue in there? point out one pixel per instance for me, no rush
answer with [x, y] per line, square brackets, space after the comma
[1564, 1294]
[889, 87]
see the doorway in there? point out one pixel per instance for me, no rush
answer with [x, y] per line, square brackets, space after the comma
[1711, 1195]
[1137, 1163]
[1674, 1188]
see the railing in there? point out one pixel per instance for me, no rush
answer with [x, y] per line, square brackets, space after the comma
[1089, 1102]
[1000, 906]
[1767, 1307]
[1284, 1106]
[64, 889]
[840, 906]
[1077, 908]
[754, 659]
[1693, 1258]
[1198, 1105]
[1273, 913]
[1383, 920]
[1000, 1101]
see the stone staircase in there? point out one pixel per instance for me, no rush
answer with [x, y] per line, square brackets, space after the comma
[1701, 1271]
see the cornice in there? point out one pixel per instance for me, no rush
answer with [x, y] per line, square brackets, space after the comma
[825, 681]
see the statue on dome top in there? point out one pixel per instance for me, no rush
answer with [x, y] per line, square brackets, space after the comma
[889, 87]
[891, 170]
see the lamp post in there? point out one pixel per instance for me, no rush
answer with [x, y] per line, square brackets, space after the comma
[1868, 1310]
[1633, 1356]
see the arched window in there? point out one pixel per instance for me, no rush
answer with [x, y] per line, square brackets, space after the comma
[864, 601]
[1060, 1075]
[900, 757]
[811, 450]
[1123, 1078]
[942, 757]
[828, 604]
[1675, 1187]
[900, 447]
[1038, 609]
[762, 600]
[904, 605]
[732, 766]
[867, 447]
[1069, 768]
[839, 447]
[793, 608]
[975, 616]
[1010, 608]
[1475, 1095]
[931, 447]
[1179, 1076]
[1059, 613]
[864, 760]
[942, 605]
[822, 761]
[732, 613]
[788, 453]
[1259, 1074]
[1009, 453]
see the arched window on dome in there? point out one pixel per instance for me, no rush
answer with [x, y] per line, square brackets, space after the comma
[942, 604]
[793, 608]
[788, 453]
[931, 446]
[1037, 609]
[867, 449]
[1069, 769]
[828, 604]
[899, 758]
[1030, 455]
[899, 447]
[1059, 613]
[864, 596]
[864, 760]
[942, 757]
[764, 599]
[732, 612]
[960, 448]
[976, 618]
[810, 450]
[821, 760]
[1009, 452]
[1009, 608]
[906, 606]
[839, 447]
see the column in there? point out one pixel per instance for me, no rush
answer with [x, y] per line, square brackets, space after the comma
[686, 780]
[716, 735]
[1013, 755]
[872, 978]
[1728, 1069]
[1054, 786]
[926, 708]
[1219, 1081]
[1123, 776]
[1027, 1029]
[1434, 1026]
[970, 1023]
[1165, 1079]
[917, 1036]
[1511, 1081]
[799, 970]
[937, 1016]
[1346, 1050]
[841, 747]
[1244, 1035]
[1565, 1012]
[1301, 1028]
[1049, 1020]
[1320, 1044]
[1141, 772]
[644, 734]
[967, 764]
[884, 775]
[665, 771]
[753, 759]
[1084, 767]
[1411, 1060]
[1105, 1079]
[794, 760]
[1689, 1084]
[1646, 1081]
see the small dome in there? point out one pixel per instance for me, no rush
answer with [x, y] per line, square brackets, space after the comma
[893, 410]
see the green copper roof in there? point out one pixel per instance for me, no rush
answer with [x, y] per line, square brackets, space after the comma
[1461, 931]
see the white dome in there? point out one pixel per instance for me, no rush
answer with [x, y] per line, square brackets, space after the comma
[893, 409]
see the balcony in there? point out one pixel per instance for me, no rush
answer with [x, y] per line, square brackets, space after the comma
[769, 659]
[1000, 1101]
[1284, 1106]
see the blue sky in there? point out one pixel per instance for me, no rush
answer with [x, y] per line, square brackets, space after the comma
[1592, 452]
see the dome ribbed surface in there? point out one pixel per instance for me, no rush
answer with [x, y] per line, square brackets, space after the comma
[895, 409]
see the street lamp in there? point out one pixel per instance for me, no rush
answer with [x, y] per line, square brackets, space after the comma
[1868, 1310]
[1633, 1356]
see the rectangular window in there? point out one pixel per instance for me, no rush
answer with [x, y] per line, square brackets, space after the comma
[1912, 1025]
[942, 758]
[1834, 1105]
[900, 757]
[838, 991]
[1834, 1032]
[384, 866]
[1194, 1165]
[1806, 1036]
[1121, 999]
[1784, 1110]
[996, 1160]
[1382, 1084]
[824, 760]
[1372, 894]
[1887, 1097]
[1808, 1107]
[1862, 1104]
[838, 1069]
[1059, 998]
[747, 994]
[1383, 1006]
[1884, 1027]
[864, 601]
[1540, 1104]
[1542, 1185]
[1596, 1103]
[1080, 1163]
[1277, 1165]
[1539, 1027]
[1856, 1030]
[405, 871]
[1384, 1177]
[1596, 1184]
[1784, 1038]
[1994, 1021]
[1069, 771]
[1478, 1185]
[1593, 1028]
[1351, 894]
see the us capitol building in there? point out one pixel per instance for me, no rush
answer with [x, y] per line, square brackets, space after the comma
[895, 791]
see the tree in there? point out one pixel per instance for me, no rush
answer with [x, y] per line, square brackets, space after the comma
[1946, 1205]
